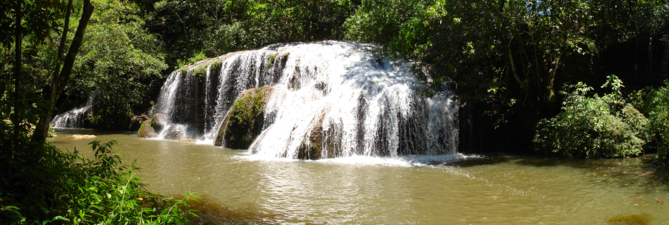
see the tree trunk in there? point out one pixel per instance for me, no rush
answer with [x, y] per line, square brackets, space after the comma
[649, 66]
[6, 78]
[60, 82]
[17, 69]
[665, 59]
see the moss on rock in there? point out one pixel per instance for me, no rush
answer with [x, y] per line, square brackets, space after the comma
[151, 128]
[245, 120]
[200, 71]
[146, 130]
[216, 65]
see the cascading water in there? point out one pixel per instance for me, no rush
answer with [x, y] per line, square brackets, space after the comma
[74, 118]
[354, 100]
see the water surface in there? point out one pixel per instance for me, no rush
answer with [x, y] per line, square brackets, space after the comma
[236, 187]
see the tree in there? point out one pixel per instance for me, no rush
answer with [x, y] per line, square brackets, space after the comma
[63, 75]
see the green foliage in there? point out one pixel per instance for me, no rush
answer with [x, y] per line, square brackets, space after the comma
[121, 60]
[218, 27]
[200, 71]
[654, 103]
[199, 56]
[593, 126]
[271, 59]
[216, 66]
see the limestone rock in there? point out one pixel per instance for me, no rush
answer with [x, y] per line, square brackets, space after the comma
[245, 120]
[151, 128]
[320, 143]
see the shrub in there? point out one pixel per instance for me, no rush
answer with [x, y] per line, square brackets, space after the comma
[654, 103]
[593, 126]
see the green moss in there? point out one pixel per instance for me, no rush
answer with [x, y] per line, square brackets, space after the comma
[270, 60]
[184, 71]
[141, 128]
[153, 121]
[146, 130]
[247, 107]
[200, 71]
[216, 66]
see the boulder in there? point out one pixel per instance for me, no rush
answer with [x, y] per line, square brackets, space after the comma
[245, 120]
[151, 128]
[320, 143]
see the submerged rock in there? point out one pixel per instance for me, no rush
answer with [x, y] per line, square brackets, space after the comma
[187, 140]
[245, 120]
[81, 137]
[151, 128]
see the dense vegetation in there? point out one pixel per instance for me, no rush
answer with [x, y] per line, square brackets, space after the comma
[594, 126]
[506, 59]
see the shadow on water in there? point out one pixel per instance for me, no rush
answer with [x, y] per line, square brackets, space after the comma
[209, 212]
[643, 171]
[636, 219]
[87, 131]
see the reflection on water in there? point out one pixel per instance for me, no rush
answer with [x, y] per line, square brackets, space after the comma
[636, 219]
[240, 188]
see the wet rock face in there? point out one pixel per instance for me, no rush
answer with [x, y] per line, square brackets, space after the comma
[151, 128]
[246, 119]
[321, 142]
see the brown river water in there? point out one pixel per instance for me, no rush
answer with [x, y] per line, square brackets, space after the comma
[238, 188]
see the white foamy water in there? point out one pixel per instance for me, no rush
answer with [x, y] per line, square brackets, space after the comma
[360, 103]
[74, 118]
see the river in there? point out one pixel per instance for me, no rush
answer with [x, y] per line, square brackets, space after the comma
[236, 187]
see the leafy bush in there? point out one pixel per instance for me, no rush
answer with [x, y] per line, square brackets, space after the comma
[593, 126]
[654, 103]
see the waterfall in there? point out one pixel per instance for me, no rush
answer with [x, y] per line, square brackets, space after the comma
[74, 118]
[360, 102]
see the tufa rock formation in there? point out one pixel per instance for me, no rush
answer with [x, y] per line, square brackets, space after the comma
[151, 128]
[245, 120]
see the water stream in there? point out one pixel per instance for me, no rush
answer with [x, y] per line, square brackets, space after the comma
[237, 187]
[74, 118]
